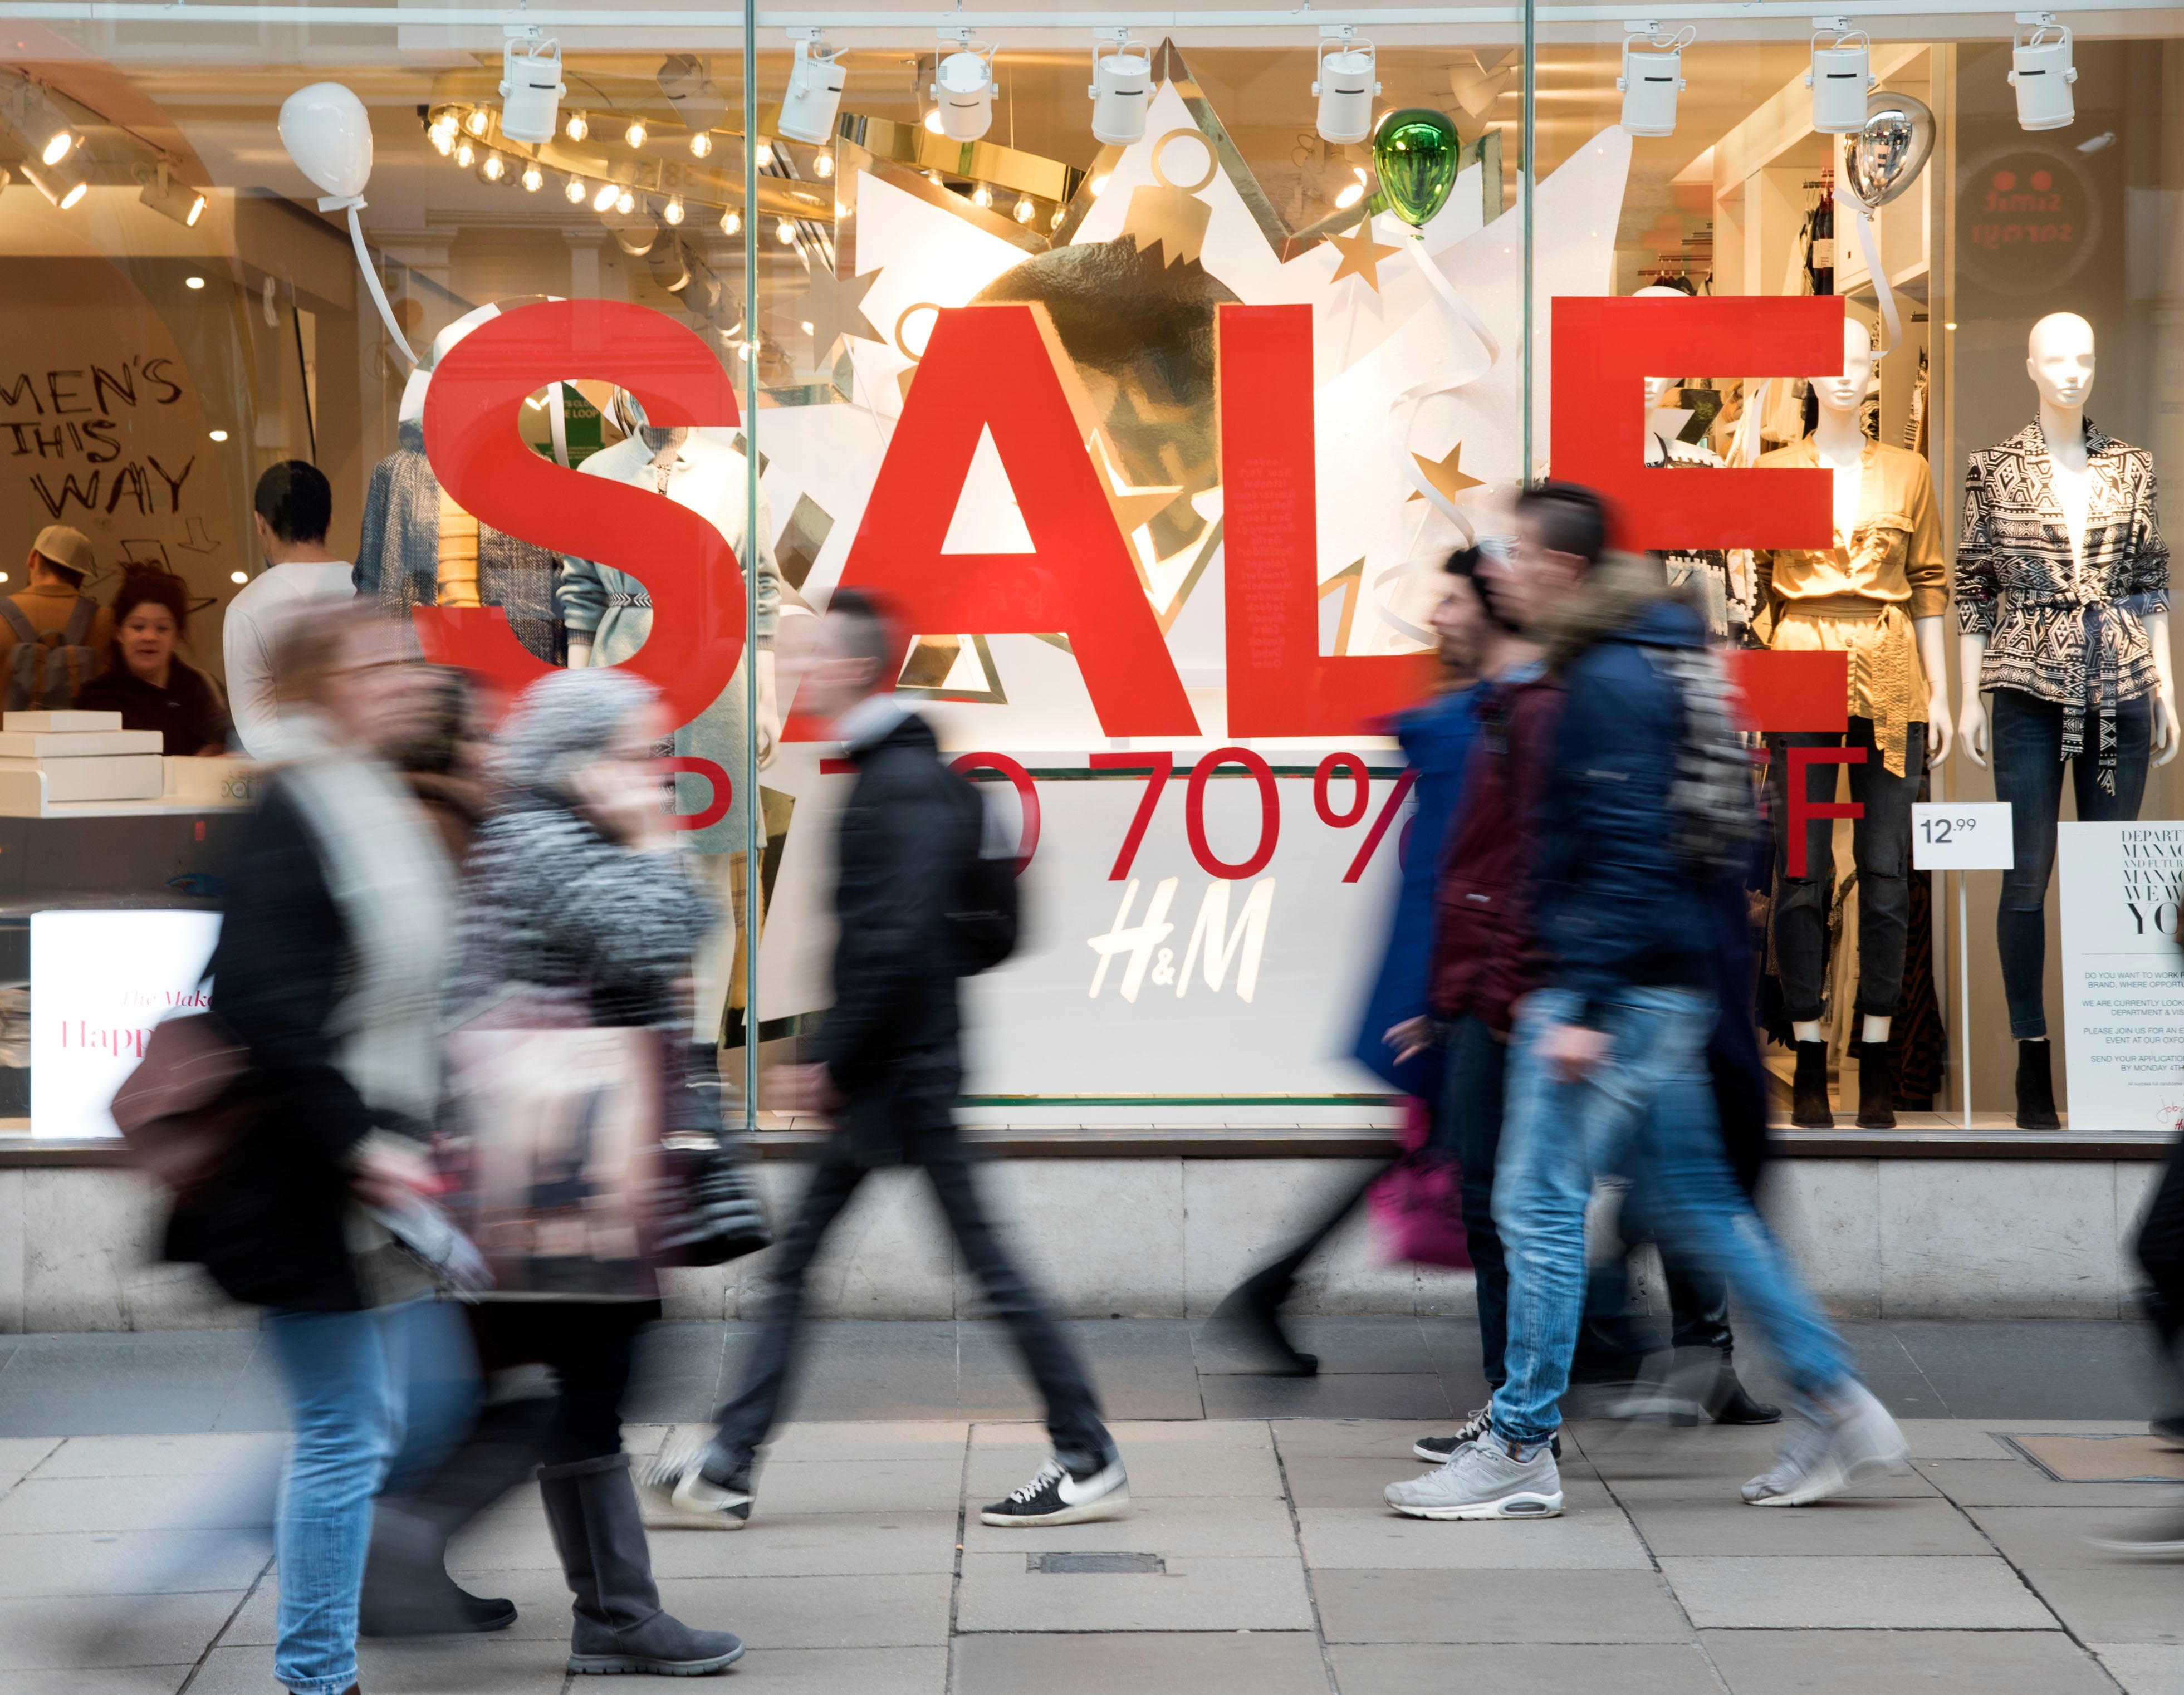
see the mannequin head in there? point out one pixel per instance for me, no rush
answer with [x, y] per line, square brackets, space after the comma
[1847, 392]
[2058, 358]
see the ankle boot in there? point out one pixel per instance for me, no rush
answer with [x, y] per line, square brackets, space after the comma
[1810, 1108]
[2035, 1086]
[591, 1508]
[1251, 1314]
[1731, 1404]
[1876, 1088]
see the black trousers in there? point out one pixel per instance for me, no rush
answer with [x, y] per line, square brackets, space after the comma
[2160, 1250]
[1081, 1441]
[588, 1346]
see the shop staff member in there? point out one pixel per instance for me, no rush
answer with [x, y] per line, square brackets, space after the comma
[60, 560]
[295, 505]
[146, 682]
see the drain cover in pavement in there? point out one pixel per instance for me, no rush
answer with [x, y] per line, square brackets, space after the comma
[2101, 1458]
[1077, 1564]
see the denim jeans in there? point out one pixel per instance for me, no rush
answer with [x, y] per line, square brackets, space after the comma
[1467, 1127]
[1880, 847]
[2027, 735]
[1081, 1441]
[1647, 1109]
[377, 1398]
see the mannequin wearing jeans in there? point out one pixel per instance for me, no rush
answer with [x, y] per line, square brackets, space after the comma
[2061, 599]
[1878, 595]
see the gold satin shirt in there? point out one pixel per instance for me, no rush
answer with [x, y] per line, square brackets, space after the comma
[1860, 596]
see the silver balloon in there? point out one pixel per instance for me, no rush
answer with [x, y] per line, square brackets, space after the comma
[1884, 159]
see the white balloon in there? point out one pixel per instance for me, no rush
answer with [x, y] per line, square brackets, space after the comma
[326, 132]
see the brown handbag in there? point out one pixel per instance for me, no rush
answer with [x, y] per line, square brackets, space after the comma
[179, 1111]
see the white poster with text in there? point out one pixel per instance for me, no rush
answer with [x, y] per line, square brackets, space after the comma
[2123, 974]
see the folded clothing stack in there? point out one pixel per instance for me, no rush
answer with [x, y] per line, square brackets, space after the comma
[84, 755]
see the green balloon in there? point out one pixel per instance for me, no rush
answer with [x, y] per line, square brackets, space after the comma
[1416, 152]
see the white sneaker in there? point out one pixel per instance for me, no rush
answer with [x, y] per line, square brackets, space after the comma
[676, 1494]
[1855, 1438]
[1483, 1481]
[1056, 1496]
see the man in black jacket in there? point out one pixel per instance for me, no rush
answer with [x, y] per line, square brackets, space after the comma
[888, 1069]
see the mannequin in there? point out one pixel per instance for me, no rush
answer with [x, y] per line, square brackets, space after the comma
[608, 615]
[2062, 602]
[417, 547]
[1878, 593]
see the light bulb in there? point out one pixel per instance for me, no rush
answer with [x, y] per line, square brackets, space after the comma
[605, 198]
[701, 143]
[785, 232]
[493, 168]
[465, 154]
[1025, 209]
[673, 211]
[238, 576]
[1351, 194]
[766, 156]
[1055, 222]
[477, 123]
[220, 435]
[982, 196]
[625, 203]
[442, 139]
[1097, 185]
[932, 121]
[577, 127]
[57, 147]
[634, 134]
[193, 283]
[730, 222]
[574, 188]
[534, 179]
[823, 165]
[74, 195]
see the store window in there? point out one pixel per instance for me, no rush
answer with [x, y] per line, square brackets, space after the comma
[1157, 408]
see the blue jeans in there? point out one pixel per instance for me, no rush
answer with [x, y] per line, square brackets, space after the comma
[2028, 773]
[376, 1396]
[1647, 1109]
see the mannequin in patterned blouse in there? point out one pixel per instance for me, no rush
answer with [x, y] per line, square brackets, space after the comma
[2063, 606]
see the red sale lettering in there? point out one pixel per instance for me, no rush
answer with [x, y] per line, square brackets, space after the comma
[1027, 795]
[1803, 810]
[686, 565]
[1001, 369]
[1158, 767]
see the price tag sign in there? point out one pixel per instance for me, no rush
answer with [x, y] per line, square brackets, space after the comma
[1962, 836]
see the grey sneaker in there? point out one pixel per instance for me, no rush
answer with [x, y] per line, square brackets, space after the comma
[1852, 1439]
[1484, 1481]
[676, 1494]
[1438, 1450]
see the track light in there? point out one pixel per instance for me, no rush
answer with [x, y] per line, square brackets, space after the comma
[534, 179]
[577, 126]
[57, 147]
[1345, 86]
[635, 134]
[1352, 193]
[575, 190]
[963, 89]
[673, 211]
[731, 222]
[815, 79]
[2041, 71]
[701, 143]
[1025, 210]
[1121, 91]
[476, 120]
[606, 197]
[1653, 76]
[173, 199]
[465, 154]
[493, 168]
[531, 89]
[58, 183]
[1841, 78]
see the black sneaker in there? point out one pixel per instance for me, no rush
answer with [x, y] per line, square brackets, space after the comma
[1438, 1449]
[1057, 1496]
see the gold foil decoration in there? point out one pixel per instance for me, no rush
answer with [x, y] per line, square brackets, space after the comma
[902, 378]
[1445, 475]
[1361, 257]
[1170, 213]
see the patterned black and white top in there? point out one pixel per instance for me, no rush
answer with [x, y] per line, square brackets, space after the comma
[2070, 631]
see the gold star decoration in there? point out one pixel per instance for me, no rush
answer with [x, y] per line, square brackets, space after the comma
[1361, 257]
[837, 310]
[1445, 475]
[1134, 507]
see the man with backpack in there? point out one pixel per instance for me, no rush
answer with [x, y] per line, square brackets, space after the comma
[53, 635]
[923, 898]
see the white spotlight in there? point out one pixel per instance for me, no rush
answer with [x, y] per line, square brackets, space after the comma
[816, 80]
[1841, 78]
[1653, 76]
[1122, 89]
[57, 146]
[2041, 71]
[963, 89]
[606, 197]
[1352, 193]
[1346, 85]
[530, 88]
[173, 199]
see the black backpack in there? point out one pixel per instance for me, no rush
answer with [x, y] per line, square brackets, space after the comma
[984, 914]
[44, 671]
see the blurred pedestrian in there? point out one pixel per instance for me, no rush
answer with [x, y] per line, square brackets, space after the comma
[147, 681]
[294, 508]
[1648, 802]
[887, 1071]
[330, 969]
[1436, 737]
[578, 926]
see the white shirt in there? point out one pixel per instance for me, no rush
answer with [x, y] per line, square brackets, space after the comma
[252, 633]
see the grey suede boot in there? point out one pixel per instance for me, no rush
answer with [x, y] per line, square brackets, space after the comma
[591, 1507]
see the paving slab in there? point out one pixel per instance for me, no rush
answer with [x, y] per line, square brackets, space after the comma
[1358, 1395]
[1199, 1457]
[1549, 1668]
[1144, 1663]
[2019, 1483]
[55, 1632]
[140, 1562]
[1884, 1594]
[1475, 1606]
[1835, 1662]
[1867, 1526]
[1196, 1593]
[161, 1455]
[817, 1612]
[445, 1665]
[1588, 1536]
[844, 1670]
[2143, 1668]
[1247, 1526]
